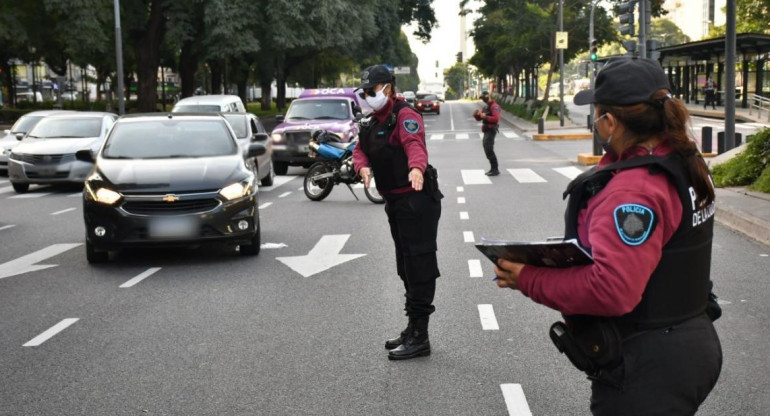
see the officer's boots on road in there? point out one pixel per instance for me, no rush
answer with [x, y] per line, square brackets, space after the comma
[492, 172]
[393, 343]
[416, 343]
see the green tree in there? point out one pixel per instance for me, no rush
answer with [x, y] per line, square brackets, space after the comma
[456, 76]
[751, 16]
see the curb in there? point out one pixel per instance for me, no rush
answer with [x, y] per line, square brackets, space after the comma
[743, 223]
[588, 159]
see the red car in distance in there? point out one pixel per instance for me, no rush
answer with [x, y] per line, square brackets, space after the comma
[427, 103]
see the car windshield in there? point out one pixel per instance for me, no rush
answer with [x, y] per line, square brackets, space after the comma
[319, 110]
[197, 108]
[65, 128]
[238, 123]
[164, 139]
[25, 124]
[426, 97]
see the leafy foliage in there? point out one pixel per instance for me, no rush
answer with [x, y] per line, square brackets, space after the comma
[747, 167]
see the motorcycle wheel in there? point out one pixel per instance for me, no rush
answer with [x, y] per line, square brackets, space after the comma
[372, 194]
[317, 190]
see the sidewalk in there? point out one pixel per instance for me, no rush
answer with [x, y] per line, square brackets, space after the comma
[737, 208]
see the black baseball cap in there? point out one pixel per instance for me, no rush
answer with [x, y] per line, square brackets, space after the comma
[625, 81]
[374, 75]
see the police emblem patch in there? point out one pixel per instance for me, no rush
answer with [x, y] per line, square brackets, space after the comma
[411, 126]
[634, 223]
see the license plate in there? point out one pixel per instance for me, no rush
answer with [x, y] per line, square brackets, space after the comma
[304, 149]
[173, 227]
[45, 172]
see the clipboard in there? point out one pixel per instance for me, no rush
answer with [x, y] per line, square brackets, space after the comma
[551, 253]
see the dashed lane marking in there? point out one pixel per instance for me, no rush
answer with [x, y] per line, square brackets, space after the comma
[460, 189]
[487, 316]
[526, 176]
[515, 401]
[460, 200]
[437, 137]
[464, 215]
[147, 273]
[284, 195]
[45, 336]
[5, 227]
[474, 268]
[63, 211]
[468, 237]
[265, 205]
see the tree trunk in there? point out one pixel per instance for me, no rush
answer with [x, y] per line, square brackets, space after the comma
[242, 89]
[188, 64]
[216, 78]
[148, 59]
[266, 98]
[280, 79]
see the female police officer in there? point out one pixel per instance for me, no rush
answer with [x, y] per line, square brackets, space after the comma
[392, 149]
[636, 319]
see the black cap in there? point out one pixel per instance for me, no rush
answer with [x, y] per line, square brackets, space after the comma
[625, 81]
[374, 75]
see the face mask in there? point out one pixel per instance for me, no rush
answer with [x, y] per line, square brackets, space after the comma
[606, 146]
[485, 99]
[379, 100]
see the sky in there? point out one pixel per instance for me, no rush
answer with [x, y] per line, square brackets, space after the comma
[444, 43]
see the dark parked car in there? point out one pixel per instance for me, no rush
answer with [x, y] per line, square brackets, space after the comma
[171, 180]
[249, 129]
[427, 103]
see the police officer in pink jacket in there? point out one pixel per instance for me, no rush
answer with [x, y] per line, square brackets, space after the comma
[392, 150]
[638, 320]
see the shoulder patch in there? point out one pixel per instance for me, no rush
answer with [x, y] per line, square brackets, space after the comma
[411, 125]
[496, 109]
[634, 223]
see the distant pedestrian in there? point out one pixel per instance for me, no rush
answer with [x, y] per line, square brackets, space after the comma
[489, 117]
[710, 90]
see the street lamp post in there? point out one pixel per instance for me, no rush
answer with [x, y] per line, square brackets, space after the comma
[561, 66]
[597, 147]
[119, 57]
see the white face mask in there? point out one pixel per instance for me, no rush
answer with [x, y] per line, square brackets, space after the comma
[379, 100]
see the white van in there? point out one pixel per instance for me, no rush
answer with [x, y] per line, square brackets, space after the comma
[209, 104]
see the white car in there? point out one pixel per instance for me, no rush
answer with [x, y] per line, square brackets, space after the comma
[440, 95]
[47, 153]
[11, 138]
[210, 104]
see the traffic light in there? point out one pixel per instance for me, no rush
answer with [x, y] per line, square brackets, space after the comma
[627, 18]
[459, 56]
[652, 48]
[594, 53]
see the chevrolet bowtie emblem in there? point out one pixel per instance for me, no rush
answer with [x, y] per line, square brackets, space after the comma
[170, 198]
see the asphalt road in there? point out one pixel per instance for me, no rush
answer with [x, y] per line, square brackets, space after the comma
[207, 332]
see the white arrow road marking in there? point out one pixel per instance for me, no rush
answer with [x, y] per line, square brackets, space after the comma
[324, 256]
[515, 401]
[487, 316]
[61, 326]
[474, 267]
[147, 273]
[27, 263]
[475, 177]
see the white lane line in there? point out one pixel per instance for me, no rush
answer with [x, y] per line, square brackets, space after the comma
[63, 211]
[451, 118]
[468, 237]
[461, 136]
[569, 171]
[300, 189]
[515, 401]
[147, 273]
[474, 268]
[27, 196]
[5, 227]
[460, 200]
[460, 189]
[277, 181]
[61, 326]
[475, 177]
[6, 190]
[4, 180]
[265, 205]
[526, 176]
[437, 137]
[75, 195]
[487, 316]
[285, 194]
[464, 215]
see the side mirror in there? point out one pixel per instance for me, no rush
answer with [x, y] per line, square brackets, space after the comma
[260, 137]
[279, 118]
[256, 149]
[19, 136]
[85, 156]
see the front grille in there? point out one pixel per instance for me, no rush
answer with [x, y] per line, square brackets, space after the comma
[191, 206]
[298, 138]
[56, 175]
[45, 159]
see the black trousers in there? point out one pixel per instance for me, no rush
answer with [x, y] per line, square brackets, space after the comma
[710, 99]
[489, 147]
[667, 371]
[413, 219]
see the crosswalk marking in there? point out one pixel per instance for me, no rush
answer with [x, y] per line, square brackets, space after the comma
[460, 199]
[475, 177]
[526, 176]
[510, 135]
[515, 401]
[474, 268]
[437, 137]
[6, 190]
[461, 136]
[468, 237]
[569, 171]
[464, 215]
[487, 317]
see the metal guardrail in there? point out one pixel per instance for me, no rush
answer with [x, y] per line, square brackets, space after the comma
[760, 104]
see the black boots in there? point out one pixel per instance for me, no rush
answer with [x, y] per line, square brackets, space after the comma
[492, 172]
[414, 343]
[393, 343]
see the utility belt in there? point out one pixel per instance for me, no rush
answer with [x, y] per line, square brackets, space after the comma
[488, 127]
[430, 185]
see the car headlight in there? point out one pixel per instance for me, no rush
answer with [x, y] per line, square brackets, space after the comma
[237, 190]
[103, 195]
[277, 137]
[14, 156]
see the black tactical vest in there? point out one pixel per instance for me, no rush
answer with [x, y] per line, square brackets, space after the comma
[389, 162]
[679, 286]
